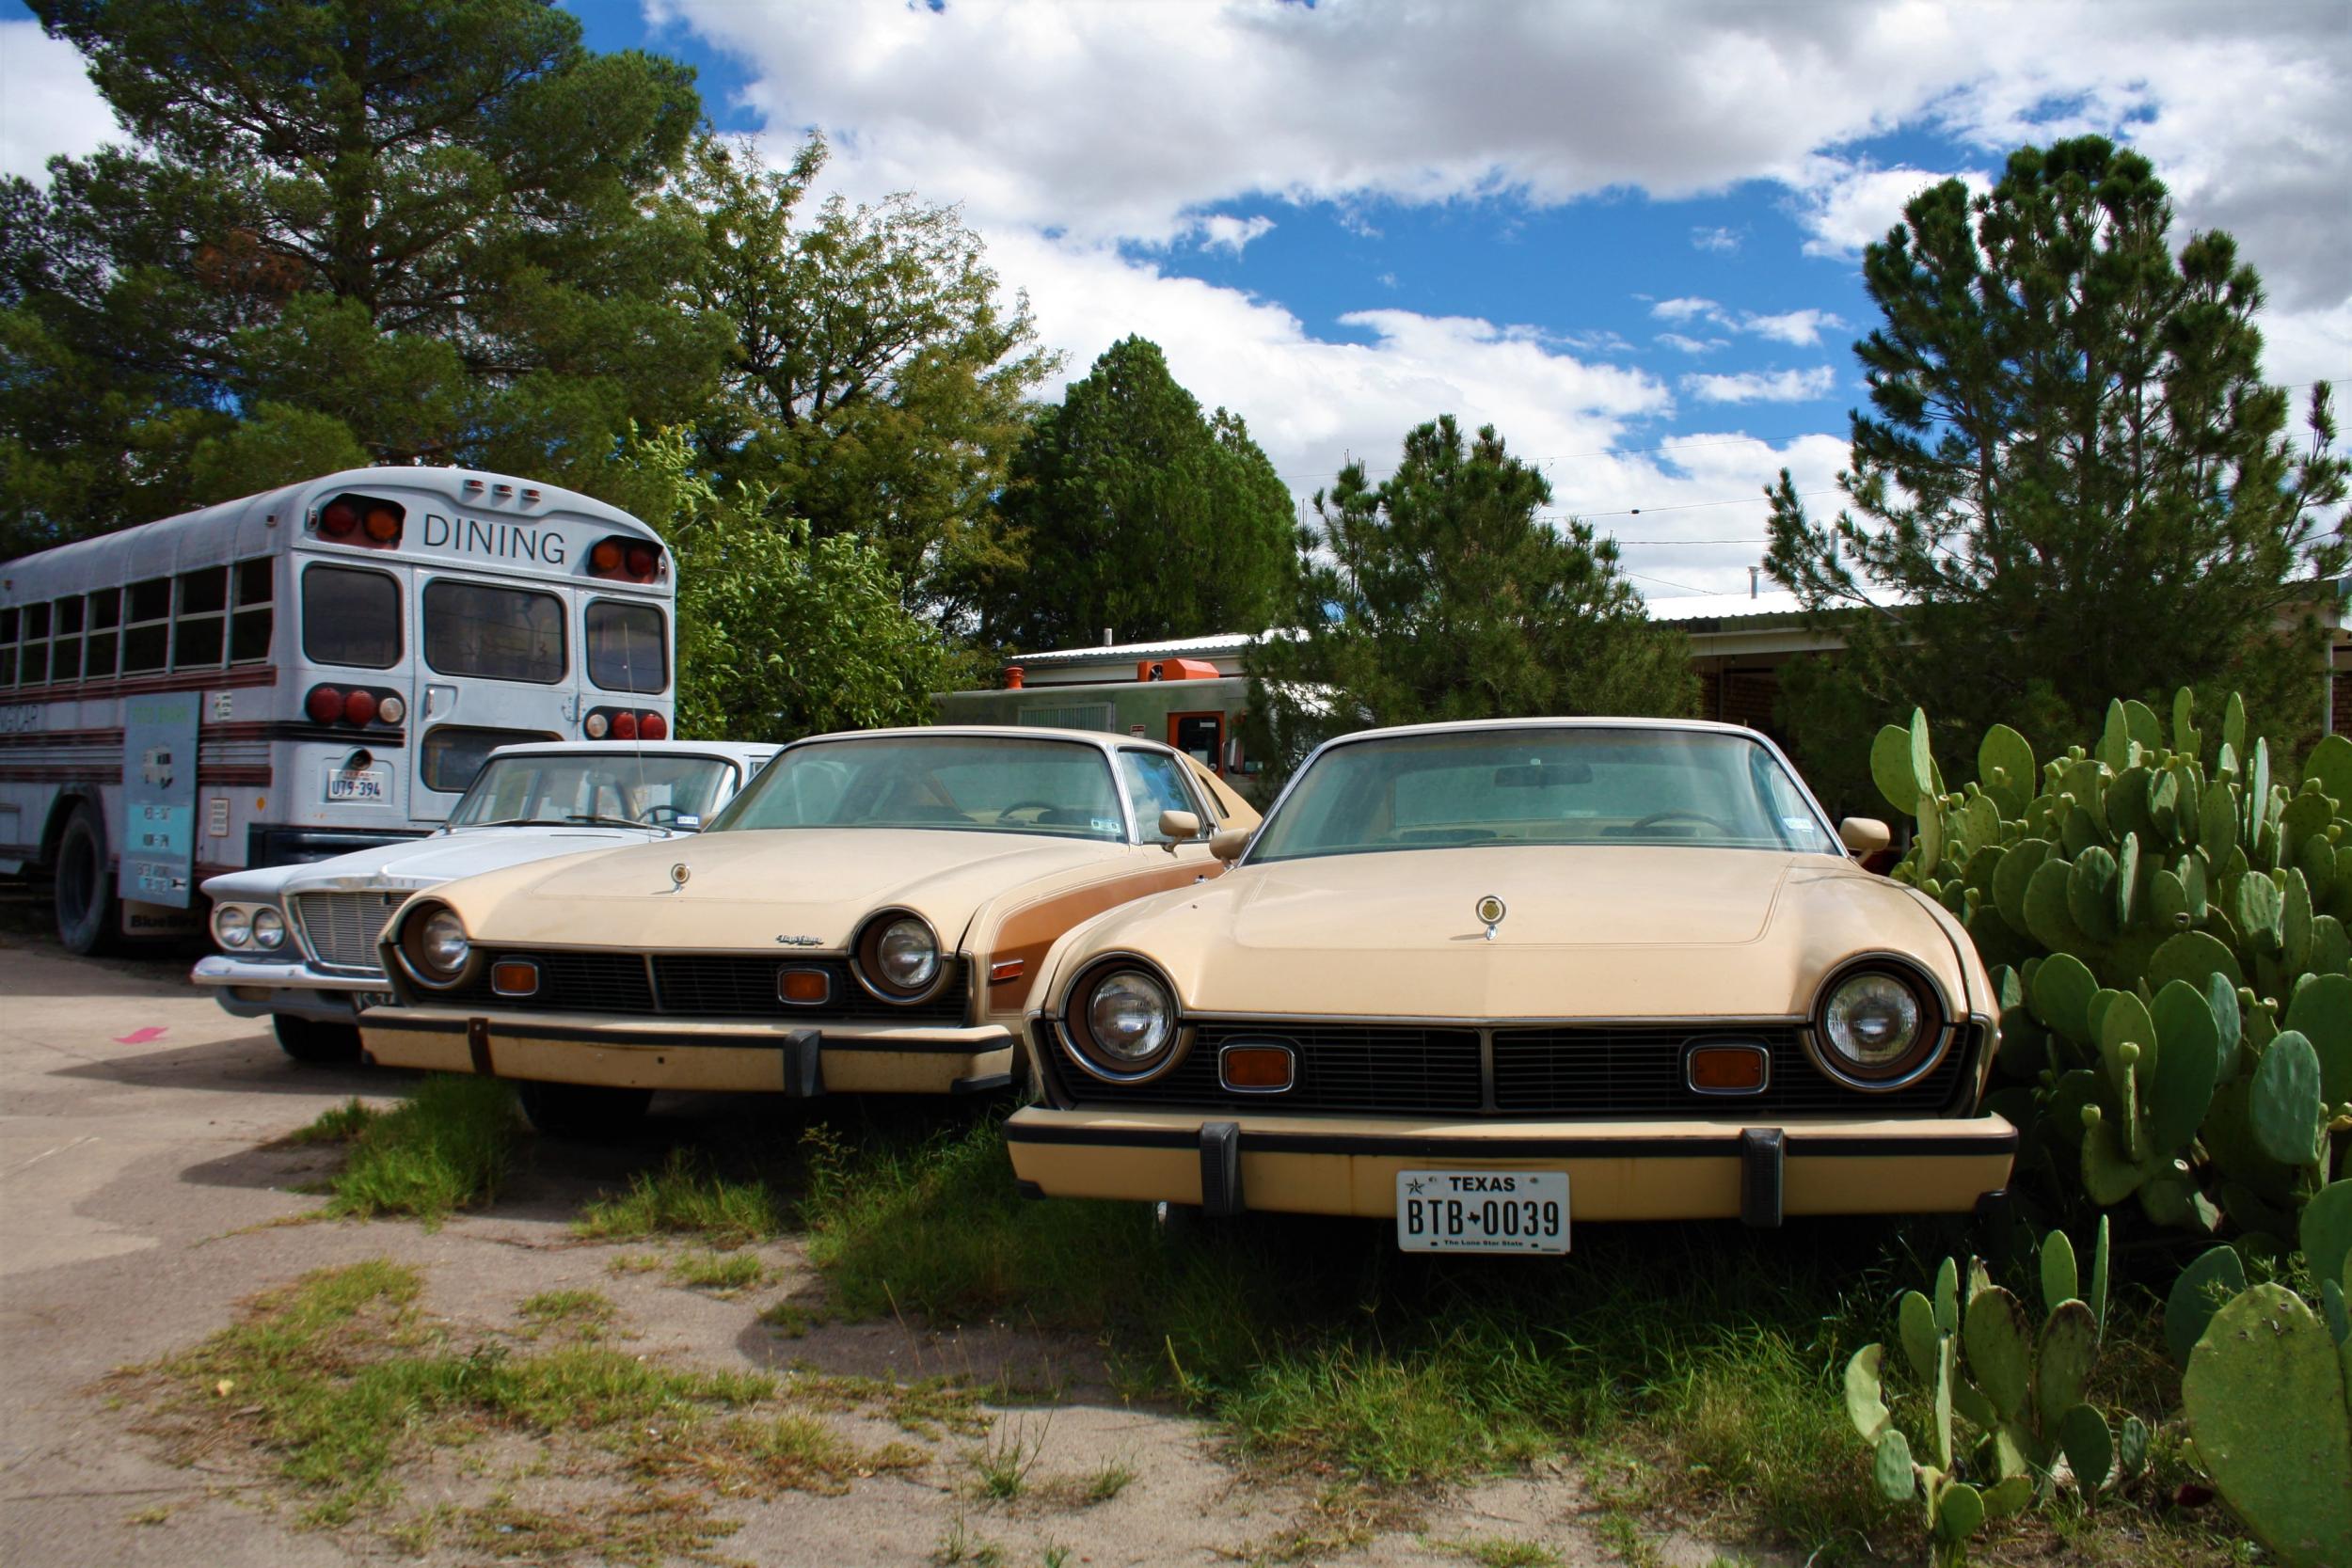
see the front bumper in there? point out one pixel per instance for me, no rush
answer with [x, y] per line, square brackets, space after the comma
[1617, 1170]
[670, 1053]
[259, 987]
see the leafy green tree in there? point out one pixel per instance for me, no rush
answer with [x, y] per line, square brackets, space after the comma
[341, 229]
[876, 380]
[2072, 483]
[1135, 511]
[781, 634]
[1438, 593]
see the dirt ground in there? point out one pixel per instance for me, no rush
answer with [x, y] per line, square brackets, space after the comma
[145, 1191]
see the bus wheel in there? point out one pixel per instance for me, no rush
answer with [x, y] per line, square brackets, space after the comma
[85, 901]
[314, 1041]
[587, 1112]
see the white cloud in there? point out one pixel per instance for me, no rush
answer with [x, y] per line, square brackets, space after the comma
[1221, 233]
[1681, 344]
[47, 103]
[1686, 310]
[1843, 205]
[1801, 328]
[1716, 239]
[1762, 386]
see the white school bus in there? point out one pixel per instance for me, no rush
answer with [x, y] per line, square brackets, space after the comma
[306, 672]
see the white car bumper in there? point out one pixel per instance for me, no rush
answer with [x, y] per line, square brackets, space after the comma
[259, 987]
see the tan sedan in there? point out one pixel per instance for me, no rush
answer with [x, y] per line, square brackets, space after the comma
[1481, 979]
[869, 914]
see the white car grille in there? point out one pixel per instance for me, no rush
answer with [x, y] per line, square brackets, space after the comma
[339, 929]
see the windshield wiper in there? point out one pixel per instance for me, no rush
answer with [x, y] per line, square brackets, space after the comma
[601, 820]
[519, 822]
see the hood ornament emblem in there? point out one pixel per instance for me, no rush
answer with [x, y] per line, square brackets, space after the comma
[678, 874]
[1490, 911]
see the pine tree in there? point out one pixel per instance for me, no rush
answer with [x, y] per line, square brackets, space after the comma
[2072, 483]
[340, 230]
[1135, 511]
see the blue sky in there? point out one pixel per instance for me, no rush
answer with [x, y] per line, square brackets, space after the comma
[1626, 233]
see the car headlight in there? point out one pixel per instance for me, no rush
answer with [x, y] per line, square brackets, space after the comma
[232, 927]
[1875, 1025]
[436, 945]
[1122, 1021]
[898, 957]
[269, 928]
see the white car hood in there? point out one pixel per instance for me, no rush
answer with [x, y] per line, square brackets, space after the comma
[427, 862]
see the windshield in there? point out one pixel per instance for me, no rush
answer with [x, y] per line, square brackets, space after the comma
[963, 782]
[615, 786]
[1543, 787]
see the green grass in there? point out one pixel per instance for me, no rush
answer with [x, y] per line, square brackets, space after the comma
[1113, 1478]
[337, 1124]
[722, 1272]
[1002, 1462]
[685, 1198]
[447, 1146]
[1496, 1551]
[585, 1314]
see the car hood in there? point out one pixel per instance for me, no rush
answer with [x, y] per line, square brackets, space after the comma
[811, 888]
[1630, 931]
[427, 861]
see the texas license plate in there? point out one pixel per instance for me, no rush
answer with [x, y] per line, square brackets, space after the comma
[358, 784]
[1482, 1211]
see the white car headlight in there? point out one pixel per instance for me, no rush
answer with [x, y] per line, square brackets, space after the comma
[232, 927]
[269, 928]
[436, 945]
[1874, 1024]
[898, 957]
[1123, 1020]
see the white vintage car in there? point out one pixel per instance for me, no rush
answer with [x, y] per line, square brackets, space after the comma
[299, 941]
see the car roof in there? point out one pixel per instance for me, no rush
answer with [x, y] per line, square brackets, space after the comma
[737, 750]
[1459, 726]
[1101, 740]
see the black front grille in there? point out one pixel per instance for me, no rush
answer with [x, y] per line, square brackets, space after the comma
[1341, 1068]
[1575, 1071]
[697, 985]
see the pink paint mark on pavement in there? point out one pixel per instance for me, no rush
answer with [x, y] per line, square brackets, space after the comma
[141, 1037]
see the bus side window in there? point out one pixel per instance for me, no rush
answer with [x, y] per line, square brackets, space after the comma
[105, 621]
[350, 616]
[625, 652]
[35, 659]
[249, 623]
[65, 653]
[198, 633]
[9, 619]
[147, 632]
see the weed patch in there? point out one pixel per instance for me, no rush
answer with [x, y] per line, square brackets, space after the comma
[585, 1314]
[1496, 1551]
[337, 1124]
[761, 1456]
[447, 1146]
[723, 1272]
[683, 1198]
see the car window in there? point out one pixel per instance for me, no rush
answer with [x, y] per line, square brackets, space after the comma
[1155, 783]
[659, 791]
[984, 783]
[1539, 785]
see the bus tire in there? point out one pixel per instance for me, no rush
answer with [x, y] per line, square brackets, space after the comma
[315, 1040]
[589, 1113]
[83, 895]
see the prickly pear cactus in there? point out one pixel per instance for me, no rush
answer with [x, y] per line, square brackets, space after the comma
[2002, 1408]
[2167, 928]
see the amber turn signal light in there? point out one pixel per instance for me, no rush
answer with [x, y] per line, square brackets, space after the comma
[1257, 1068]
[1726, 1069]
[805, 988]
[1006, 970]
[514, 978]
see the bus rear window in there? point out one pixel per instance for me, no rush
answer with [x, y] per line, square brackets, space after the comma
[625, 647]
[454, 753]
[350, 617]
[501, 634]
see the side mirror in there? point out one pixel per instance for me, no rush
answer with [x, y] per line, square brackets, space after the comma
[1180, 827]
[1864, 835]
[1227, 845]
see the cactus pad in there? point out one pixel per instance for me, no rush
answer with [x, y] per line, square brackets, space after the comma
[2265, 1394]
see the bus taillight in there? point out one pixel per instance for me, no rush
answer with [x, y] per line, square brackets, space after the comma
[653, 727]
[359, 708]
[362, 520]
[326, 704]
[625, 726]
[624, 560]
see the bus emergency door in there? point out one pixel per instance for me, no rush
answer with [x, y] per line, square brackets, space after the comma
[495, 666]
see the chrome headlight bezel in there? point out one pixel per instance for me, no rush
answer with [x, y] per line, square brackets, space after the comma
[1080, 1029]
[1899, 984]
[269, 928]
[424, 955]
[232, 927]
[872, 971]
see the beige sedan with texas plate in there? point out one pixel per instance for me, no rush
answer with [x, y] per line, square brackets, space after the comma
[869, 914]
[1480, 979]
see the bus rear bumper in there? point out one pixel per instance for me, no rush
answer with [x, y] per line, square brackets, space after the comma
[249, 988]
[845, 1058]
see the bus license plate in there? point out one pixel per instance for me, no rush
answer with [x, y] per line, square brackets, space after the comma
[1482, 1211]
[363, 783]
